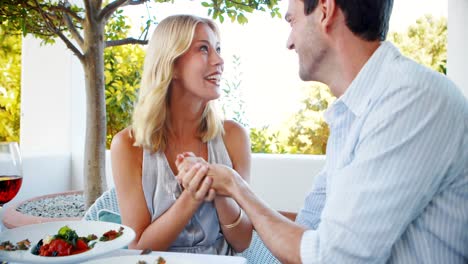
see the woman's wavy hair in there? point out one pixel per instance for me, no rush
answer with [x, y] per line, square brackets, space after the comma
[150, 124]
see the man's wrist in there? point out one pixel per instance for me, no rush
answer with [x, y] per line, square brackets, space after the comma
[238, 187]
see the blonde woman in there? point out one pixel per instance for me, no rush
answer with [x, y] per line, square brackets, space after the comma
[175, 114]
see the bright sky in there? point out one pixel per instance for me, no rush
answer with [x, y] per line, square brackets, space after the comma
[270, 81]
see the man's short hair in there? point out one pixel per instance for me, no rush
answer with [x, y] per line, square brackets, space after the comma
[368, 19]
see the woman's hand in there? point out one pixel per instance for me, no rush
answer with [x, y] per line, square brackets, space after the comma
[192, 177]
[186, 160]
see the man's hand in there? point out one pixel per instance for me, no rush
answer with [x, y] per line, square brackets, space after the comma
[224, 179]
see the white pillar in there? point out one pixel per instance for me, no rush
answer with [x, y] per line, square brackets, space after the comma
[457, 57]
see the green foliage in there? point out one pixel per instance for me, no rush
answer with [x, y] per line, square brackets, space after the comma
[235, 10]
[231, 100]
[122, 70]
[308, 132]
[118, 26]
[305, 132]
[265, 141]
[27, 16]
[10, 83]
[123, 67]
[425, 42]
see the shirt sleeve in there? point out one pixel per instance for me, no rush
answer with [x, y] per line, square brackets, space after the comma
[309, 215]
[405, 147]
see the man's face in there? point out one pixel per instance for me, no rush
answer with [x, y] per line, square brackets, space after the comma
[306, 39]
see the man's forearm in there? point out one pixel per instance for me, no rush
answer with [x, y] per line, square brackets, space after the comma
[280, 235]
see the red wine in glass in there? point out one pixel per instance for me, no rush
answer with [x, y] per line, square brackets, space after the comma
[10, 171]
[9, 187]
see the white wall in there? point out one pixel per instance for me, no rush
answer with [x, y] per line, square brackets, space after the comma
[284, 180]
[53, 113]
[457, 58]
[45, 98]
[43, 174]
[45, 118]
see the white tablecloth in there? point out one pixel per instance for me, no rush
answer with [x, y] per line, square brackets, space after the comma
[181, 257]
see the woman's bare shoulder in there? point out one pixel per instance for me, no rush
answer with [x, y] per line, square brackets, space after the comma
[123, 142]
[234, 130]
[235, 138]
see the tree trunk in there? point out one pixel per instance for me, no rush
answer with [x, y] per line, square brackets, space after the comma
[95, 142]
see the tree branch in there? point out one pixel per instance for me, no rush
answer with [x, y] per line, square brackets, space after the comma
[98, 3]
[73, 31]
[126, 41]
[88, 7]
[52, 28]
[111, 7]
[66, 10]
[70, 45]
[107, 11]
[244, 4]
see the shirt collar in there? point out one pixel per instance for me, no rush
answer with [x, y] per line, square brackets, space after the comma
[364, 87]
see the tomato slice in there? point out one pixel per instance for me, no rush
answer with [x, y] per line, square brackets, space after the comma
[56, 247]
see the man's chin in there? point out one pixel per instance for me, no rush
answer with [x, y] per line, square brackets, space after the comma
[305, 76]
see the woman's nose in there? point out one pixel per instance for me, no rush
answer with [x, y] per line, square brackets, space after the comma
[217, 59]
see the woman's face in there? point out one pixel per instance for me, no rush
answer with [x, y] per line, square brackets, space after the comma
[199, 70]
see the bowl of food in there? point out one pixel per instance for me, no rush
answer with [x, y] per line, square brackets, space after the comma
[63, 242]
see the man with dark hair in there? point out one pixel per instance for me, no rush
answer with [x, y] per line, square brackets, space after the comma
[394, 188]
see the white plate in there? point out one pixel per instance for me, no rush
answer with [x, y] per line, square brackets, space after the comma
[83, 228]
[171, 258]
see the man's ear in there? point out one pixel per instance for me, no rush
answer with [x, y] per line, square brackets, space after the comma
[328, 9]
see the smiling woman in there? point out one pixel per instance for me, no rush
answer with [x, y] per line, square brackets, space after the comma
[175, 115]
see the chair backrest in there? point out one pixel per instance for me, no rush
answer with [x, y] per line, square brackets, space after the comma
[107, 202]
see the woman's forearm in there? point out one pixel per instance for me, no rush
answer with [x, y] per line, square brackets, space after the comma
[238, 232]
[161, 233]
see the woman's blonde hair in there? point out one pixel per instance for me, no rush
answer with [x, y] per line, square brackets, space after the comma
[150, 125]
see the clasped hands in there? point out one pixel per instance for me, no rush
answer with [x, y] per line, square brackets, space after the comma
[203, 180]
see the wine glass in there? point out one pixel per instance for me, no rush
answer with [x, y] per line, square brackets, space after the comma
[11, 175]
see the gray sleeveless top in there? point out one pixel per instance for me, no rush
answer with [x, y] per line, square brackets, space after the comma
[202, 234]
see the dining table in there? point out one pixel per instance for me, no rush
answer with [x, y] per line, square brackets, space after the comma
[184, 257]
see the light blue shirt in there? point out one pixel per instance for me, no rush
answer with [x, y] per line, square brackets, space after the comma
[394, 188]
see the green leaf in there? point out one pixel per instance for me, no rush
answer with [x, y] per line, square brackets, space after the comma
[241, 19]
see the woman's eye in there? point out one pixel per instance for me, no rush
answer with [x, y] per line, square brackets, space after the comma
[218, 50]
[204, 48]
